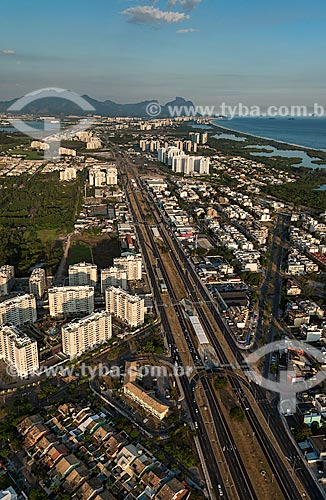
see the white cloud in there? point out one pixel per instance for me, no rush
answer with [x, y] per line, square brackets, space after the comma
[8, 52]
[188, 30]
[147, 15]
[186, 5]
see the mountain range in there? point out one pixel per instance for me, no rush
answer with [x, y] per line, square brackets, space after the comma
[54, 106]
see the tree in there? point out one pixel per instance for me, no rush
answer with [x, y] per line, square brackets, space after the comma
[37, 494]
[221, 382]
[314, 428]
[237, 414]
[301, 432]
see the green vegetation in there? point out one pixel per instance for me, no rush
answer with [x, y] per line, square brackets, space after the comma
[237, 414]
[79, 252]
[37, 494]
[301, 432]
[178, 446]
[221, 382]
[302, 192]
[10, 140]
[252, 279]
[96, 248]
[34, 210]
[153, 346]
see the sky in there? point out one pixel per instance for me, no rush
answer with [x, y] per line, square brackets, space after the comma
[209, 51]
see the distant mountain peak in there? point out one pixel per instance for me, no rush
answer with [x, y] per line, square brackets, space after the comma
[55, 106]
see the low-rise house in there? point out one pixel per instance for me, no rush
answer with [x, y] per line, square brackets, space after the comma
[318, 443]
[308, 413]
[25, 425]
[45, 443]
[65, 466]
[124, 459]
[320, 403]
[292, 288]
[89, 488]
[102, 433]
[113, 445]
[173, 490]
[154, 479]
[54, 454]
[75, 478]
[34, 434]
[105, 495]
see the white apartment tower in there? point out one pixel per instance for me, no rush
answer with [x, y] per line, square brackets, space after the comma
[18, 310]
[166, 155]
[37, 282]
[103, 175]
[84, 334]
[68, 174]
[71, 300]
[113, 276]
[204, 137]
[194, 137]
[189, 165]
[18, 350]
[129, 308]
[82, 274]
[131, 264]
[7, 278]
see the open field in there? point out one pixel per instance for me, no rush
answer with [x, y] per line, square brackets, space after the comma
[79, 252]
[99, 250]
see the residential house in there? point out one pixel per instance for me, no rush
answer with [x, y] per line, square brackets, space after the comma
[173, 490]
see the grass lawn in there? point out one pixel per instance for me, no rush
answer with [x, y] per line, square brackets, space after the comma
[46, 235]
[29, 155]
[79, 252]
[100, 249]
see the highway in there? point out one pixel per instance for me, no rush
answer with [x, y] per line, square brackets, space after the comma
[208, 453]
[273, 277]
[199, 294]
[232, 456]
[272, 416]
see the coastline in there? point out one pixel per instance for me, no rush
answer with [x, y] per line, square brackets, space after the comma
[246, 134]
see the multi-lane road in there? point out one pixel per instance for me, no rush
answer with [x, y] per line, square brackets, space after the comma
[199, 295]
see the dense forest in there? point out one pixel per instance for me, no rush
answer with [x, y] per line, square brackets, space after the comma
[303, 192]
[34, 211]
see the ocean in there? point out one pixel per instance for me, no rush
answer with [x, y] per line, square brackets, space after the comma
[308, 132]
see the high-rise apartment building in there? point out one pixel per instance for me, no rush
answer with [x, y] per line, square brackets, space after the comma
[194, 137]
[189, 165]
[71, 300]
[166, 155]
[82, 273]
[129, 308]
[18, 350]
[37, 282]
[18, 310]
[113, 276]
[103, 175]
[132, 264]
[84, 334]
[204, 137]
[7, 278]
[68, 174]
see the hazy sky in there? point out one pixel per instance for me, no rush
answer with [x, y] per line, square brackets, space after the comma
[128, 50]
